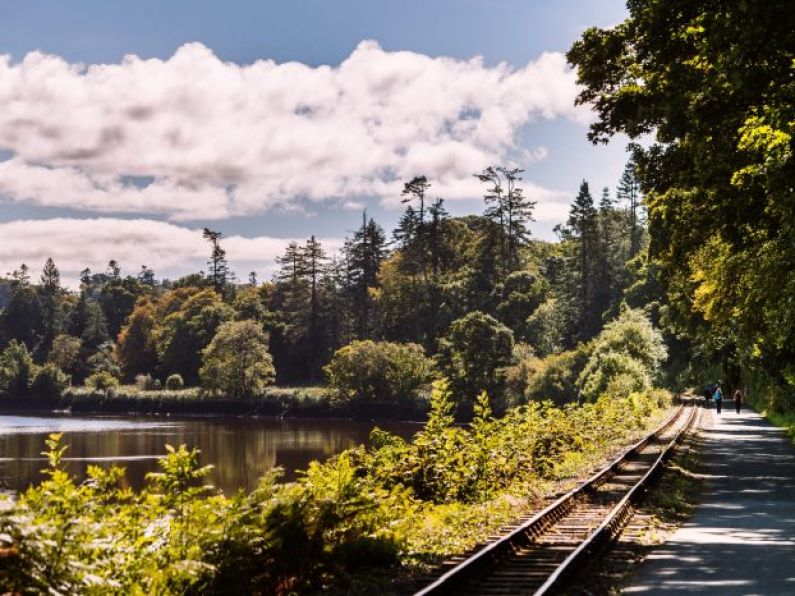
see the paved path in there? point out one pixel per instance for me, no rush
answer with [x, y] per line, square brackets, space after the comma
[741, 538]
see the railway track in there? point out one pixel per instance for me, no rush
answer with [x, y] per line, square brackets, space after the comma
[540, 554]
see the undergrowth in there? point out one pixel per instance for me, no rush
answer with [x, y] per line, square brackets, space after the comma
[395, 506]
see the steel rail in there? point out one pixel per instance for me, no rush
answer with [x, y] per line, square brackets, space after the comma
[525, 533]
[615, 519]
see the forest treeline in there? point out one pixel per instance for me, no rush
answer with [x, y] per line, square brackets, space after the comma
[474, 299]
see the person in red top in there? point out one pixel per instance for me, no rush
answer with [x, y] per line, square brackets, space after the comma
[738, 400]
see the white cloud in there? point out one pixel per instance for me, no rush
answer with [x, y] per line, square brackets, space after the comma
[214, 139]
[170, 250]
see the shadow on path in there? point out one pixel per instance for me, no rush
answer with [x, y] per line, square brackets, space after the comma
[741, 537]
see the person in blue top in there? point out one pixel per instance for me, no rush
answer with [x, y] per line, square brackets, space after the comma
[718, 397]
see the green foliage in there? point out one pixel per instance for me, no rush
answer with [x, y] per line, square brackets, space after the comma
[22, 319]
[102, 381]
[188, 330]
[474, 354]
[16, 370]
[714, 83]
[237, 362]
[49, 382]
[627, 357]
[64, 352]
[174, 383]
[395, 502]
[136, 342]
[521, 294]
[372, 371]
[555, 377]
[614, 374]
[547, 327]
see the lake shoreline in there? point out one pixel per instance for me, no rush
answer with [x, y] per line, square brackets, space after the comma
[241, 450]
[282, 404]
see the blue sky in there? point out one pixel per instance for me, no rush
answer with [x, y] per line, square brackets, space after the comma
[552, 148]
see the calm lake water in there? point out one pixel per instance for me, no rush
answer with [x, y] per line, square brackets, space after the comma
[240, 449]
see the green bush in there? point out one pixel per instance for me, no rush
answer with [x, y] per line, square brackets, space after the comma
[369, 371]
[174, 382]
[16, 369]
[555, 377]
[626, 357]
[102, 381]
[237, 363]
[49, 382]
[616, 374]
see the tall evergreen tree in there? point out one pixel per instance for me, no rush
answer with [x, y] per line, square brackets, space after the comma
[114, 270]
[365, 252]
[22, 318]
[414, 229]
[438, 215]
[629, 192]
[219, 273]
[50, 297]
[579, 289]
[510, 210]
[314, 258]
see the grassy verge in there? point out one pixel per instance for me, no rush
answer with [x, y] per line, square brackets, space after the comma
[784, 420]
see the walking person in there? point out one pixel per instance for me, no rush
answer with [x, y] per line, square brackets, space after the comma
[718, 397]
[738, 400]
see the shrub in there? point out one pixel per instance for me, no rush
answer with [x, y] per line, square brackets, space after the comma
[65, 352]
[237, 362]
[16, 369]
[615, 374]
[174, 382]
[102, 381]
[50, 381]
[145, 382]
[627, 356]
[555, 377]
[368, 370]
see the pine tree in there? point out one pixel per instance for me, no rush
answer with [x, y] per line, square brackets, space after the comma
[313, 258]
[50, 278]
[22, 318]
[579, 284]
[114, 270]
[365, 252]
[510, 210]
[406, 230]
[219, 273]
[50, 295]
[629, 192]
[436, 242]
[20, 278]
[416, 241]
[414, 191]
[146, 276]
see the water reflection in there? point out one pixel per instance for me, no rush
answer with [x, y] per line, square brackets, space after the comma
[240, 449]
